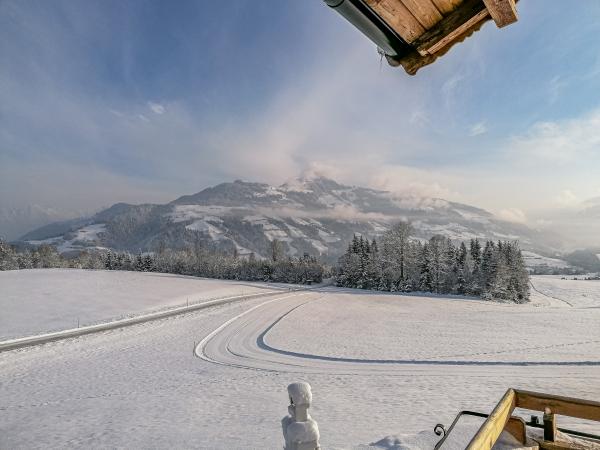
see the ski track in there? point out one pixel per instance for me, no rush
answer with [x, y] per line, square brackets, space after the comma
[549, 296]
[240, 342]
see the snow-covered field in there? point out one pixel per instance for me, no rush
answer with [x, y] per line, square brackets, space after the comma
[40, 300]
[534, 260]
[379, 365]
[576, 293]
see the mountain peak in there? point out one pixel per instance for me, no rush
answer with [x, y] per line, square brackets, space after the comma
[311, 181]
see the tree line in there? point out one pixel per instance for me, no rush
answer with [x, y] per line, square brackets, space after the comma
[494, 270]
[194, 261]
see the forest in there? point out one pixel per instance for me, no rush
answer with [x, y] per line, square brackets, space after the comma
[395, 263]
[493, 270]
[194, 262]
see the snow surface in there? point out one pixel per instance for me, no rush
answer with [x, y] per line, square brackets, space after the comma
[40, 300]
[553, 289]
[535, 260]
[203, 226]
[143, 386]
[182, 213]
[83, 239]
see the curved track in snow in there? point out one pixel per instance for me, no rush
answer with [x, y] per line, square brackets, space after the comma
[241, 342]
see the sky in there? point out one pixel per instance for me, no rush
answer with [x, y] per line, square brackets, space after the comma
[144, 101]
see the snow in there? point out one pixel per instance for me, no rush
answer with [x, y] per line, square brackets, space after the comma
[378, 228]
[300, 221]
[255, 219]
[300, 393]
[207, 228]
[182, 213]
[508, 327]
[270, 191]
[318, 245]
[328, 237]
[426, 440]
[535, 260]
[472, 216]
[552, 289]
[49, 241]
[88, 234]
[40, 300]
[331, 201]
[270, 230]
[378, 364]
[451, 230]
[295, 232]
[303, 431]
[296, 185]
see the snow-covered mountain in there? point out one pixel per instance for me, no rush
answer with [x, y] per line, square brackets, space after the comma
[314, 215]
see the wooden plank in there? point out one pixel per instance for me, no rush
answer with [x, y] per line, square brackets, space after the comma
[414, 61]
[398, 17]
[544, 445]
[517, 428]
[504, 12]
[493, 426]
[446, 6]
[565, 406]
[549, 427]
[470, 13]
[424, 11]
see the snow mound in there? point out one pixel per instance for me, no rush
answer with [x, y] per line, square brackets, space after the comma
[300, 393]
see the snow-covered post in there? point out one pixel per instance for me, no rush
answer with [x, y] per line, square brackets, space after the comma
[300, 431]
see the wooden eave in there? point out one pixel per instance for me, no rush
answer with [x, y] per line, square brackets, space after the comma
[432, 27]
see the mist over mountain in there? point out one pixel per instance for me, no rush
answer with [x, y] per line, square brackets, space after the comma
[15, 221]
[314, 215]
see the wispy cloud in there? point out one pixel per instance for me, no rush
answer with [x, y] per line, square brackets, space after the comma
[555, 87]
[561, 141]
[156, 108]
[478, 129]
[512, 215]
[567, 198]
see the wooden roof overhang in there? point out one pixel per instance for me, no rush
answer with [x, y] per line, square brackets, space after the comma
[414, 33]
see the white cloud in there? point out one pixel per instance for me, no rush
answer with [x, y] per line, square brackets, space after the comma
[512, 215]
[156, 108]
[450, 87]
[555, 86]
[567, 198]
[478, 128]
[419, 118]
[561, 141]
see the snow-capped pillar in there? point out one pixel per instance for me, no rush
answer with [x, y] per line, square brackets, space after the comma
[300, 431]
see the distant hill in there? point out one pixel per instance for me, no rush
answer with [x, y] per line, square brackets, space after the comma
[14, 221]
[309, 215]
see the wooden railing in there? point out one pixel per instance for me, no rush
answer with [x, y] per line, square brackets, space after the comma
[499, 419]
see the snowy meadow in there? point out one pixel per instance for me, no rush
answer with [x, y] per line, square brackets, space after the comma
[380, 364]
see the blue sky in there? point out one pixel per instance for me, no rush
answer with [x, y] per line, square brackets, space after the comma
[143, 101]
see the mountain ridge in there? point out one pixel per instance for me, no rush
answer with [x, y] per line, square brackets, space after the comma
[315, 215]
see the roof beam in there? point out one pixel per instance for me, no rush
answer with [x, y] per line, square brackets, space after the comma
[504, 12]
[424, 11]
[398, 17]
[451, 27]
